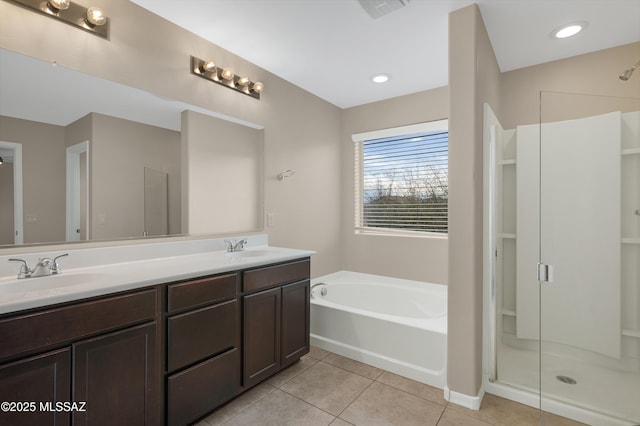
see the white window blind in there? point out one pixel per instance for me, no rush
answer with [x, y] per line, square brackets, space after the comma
[402, 183]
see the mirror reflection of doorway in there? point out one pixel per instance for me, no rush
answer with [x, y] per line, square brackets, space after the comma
[11, 220]
[77, 227]
[156, 203]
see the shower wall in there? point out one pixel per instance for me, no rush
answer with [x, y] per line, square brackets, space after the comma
[615, 344]
[568, 180]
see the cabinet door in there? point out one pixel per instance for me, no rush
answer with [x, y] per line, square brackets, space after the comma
[261, 349]
[295, 322]
[116, 375]
[42, 379]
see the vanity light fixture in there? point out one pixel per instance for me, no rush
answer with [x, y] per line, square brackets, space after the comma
[92, 19]
[225, 76]
[1, 160]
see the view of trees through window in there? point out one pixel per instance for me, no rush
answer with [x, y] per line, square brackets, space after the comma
[404, 182]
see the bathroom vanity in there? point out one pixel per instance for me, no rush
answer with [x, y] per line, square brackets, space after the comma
[167, 352]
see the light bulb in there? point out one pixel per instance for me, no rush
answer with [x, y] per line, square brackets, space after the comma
[244, 81]
[257, 87]
[380, 78]
[227, 73]
[58, 4]
[209, 66]
[96, 16]
[569, 30]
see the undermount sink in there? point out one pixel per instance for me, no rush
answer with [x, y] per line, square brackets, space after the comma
[248, 253]
[50, 282]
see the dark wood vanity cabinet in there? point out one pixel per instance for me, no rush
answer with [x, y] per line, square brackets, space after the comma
[261, 324]
[99, 354]
[38, 380]
[203, 339]
[276, 320]
[294, 341]
[167, 354]
[116, 375]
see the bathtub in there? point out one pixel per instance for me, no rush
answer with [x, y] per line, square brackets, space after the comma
[393, 324]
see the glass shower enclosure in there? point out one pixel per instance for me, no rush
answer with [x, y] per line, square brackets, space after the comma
[562, 242]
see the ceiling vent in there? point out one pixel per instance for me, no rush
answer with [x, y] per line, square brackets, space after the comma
[378, 8]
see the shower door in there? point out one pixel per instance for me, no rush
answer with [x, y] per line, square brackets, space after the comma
[588, 254]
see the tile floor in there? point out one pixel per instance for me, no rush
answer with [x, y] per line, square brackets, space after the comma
[326, 389]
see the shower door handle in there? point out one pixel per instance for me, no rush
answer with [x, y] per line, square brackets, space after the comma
[545, 272]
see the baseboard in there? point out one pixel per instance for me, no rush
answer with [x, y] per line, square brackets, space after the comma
[467, 401]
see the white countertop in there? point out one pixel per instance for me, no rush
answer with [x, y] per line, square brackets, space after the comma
[79, 283]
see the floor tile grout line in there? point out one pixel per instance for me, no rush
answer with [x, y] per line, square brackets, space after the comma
[446, 403]
[245, 408]
[311, 404]
[322, 409]
[356, 398]
[382, 371]
[441, 415]
[294, 376]
[413, 394]
[348, 371]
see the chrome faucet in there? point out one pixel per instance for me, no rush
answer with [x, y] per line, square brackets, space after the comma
[45, 267]
[323, 291]
[233, 245]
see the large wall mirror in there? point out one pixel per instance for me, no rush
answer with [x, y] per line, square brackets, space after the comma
[85, 159]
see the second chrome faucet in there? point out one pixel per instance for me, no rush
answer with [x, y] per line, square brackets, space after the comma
[45, 267]
[235, 245]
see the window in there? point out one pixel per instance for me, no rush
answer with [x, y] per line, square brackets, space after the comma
[402, 179]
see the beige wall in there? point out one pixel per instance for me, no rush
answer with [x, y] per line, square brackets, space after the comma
[514, 96]
[593, 73]
[415, 258]
[312, 209]
[120, 150]
[215, 150]
[43, 176]
[147, 52]
[474, 78]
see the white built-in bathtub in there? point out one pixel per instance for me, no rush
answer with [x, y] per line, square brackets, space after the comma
[397, 325]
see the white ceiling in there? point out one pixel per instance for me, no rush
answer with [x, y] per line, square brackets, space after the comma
[328, 47]
[332, 47]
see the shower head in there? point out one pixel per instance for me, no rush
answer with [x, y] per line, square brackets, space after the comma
[627, 73]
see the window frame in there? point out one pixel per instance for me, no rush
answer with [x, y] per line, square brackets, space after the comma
[358, 140]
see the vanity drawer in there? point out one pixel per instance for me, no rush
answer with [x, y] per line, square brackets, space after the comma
[39, 330]
[195, 391]
[200, 292]
[271, 276]
[198, 334]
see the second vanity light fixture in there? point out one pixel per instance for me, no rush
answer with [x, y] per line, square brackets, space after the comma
[225, 76]
[92, 19]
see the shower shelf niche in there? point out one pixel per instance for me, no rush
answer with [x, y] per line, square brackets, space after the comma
[631, 151]
[506, 224]
[516, 359]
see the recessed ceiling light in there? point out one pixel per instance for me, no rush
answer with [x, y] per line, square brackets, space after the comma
[568, 30]
[380, 78]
